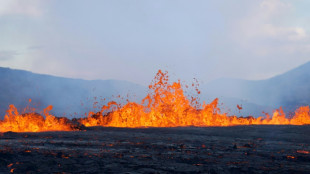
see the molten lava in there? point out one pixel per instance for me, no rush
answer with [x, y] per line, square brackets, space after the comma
[164, 106]
[167, 106]
[33, 122]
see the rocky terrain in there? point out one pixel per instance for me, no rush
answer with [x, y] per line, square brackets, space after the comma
[239, 149]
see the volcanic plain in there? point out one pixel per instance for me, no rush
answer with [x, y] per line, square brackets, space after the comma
[238, 149]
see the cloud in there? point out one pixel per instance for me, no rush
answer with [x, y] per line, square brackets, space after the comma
[30, 8]
[288, 33]
[272, 22]
[272, 12]
[107, 39]
[274, 7]
[264, 38]
[7, 55]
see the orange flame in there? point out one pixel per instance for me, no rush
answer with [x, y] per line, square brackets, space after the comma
[33, 122]
[164, 106]
[167, 106]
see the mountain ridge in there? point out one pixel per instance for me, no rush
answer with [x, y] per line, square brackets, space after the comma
[290, 89]
[65, 94]
[73, 95]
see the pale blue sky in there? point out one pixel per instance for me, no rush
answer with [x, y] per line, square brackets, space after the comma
[131, 39]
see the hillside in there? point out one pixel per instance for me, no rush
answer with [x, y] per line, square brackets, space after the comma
[68, 96]
[290, 90]
[74, 97]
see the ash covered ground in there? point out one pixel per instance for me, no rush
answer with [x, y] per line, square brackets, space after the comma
[239, 149]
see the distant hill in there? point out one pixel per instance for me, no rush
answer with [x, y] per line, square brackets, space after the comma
[68, 96]
[290, 90]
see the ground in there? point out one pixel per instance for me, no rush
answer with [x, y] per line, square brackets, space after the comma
[239, 149]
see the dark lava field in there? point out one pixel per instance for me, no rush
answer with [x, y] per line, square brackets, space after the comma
[239, 149]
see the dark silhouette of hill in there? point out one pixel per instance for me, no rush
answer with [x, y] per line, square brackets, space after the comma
[68, 96]
[289, 90]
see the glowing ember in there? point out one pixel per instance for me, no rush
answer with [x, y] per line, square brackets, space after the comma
[164, 106]
[303, 151]
[167, 106]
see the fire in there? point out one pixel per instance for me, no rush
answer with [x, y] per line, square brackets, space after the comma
[303, 151]
[165, 106]
[33, 122]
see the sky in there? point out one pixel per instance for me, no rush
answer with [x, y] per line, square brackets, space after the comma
[132, 40]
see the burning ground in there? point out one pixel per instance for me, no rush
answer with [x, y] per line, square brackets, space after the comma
[166, 132]
[164, 106]
[237, 149]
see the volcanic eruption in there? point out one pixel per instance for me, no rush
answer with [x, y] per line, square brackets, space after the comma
[164, 106]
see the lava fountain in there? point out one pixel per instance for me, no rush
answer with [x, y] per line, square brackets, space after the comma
[167, 106]
[164, 106]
